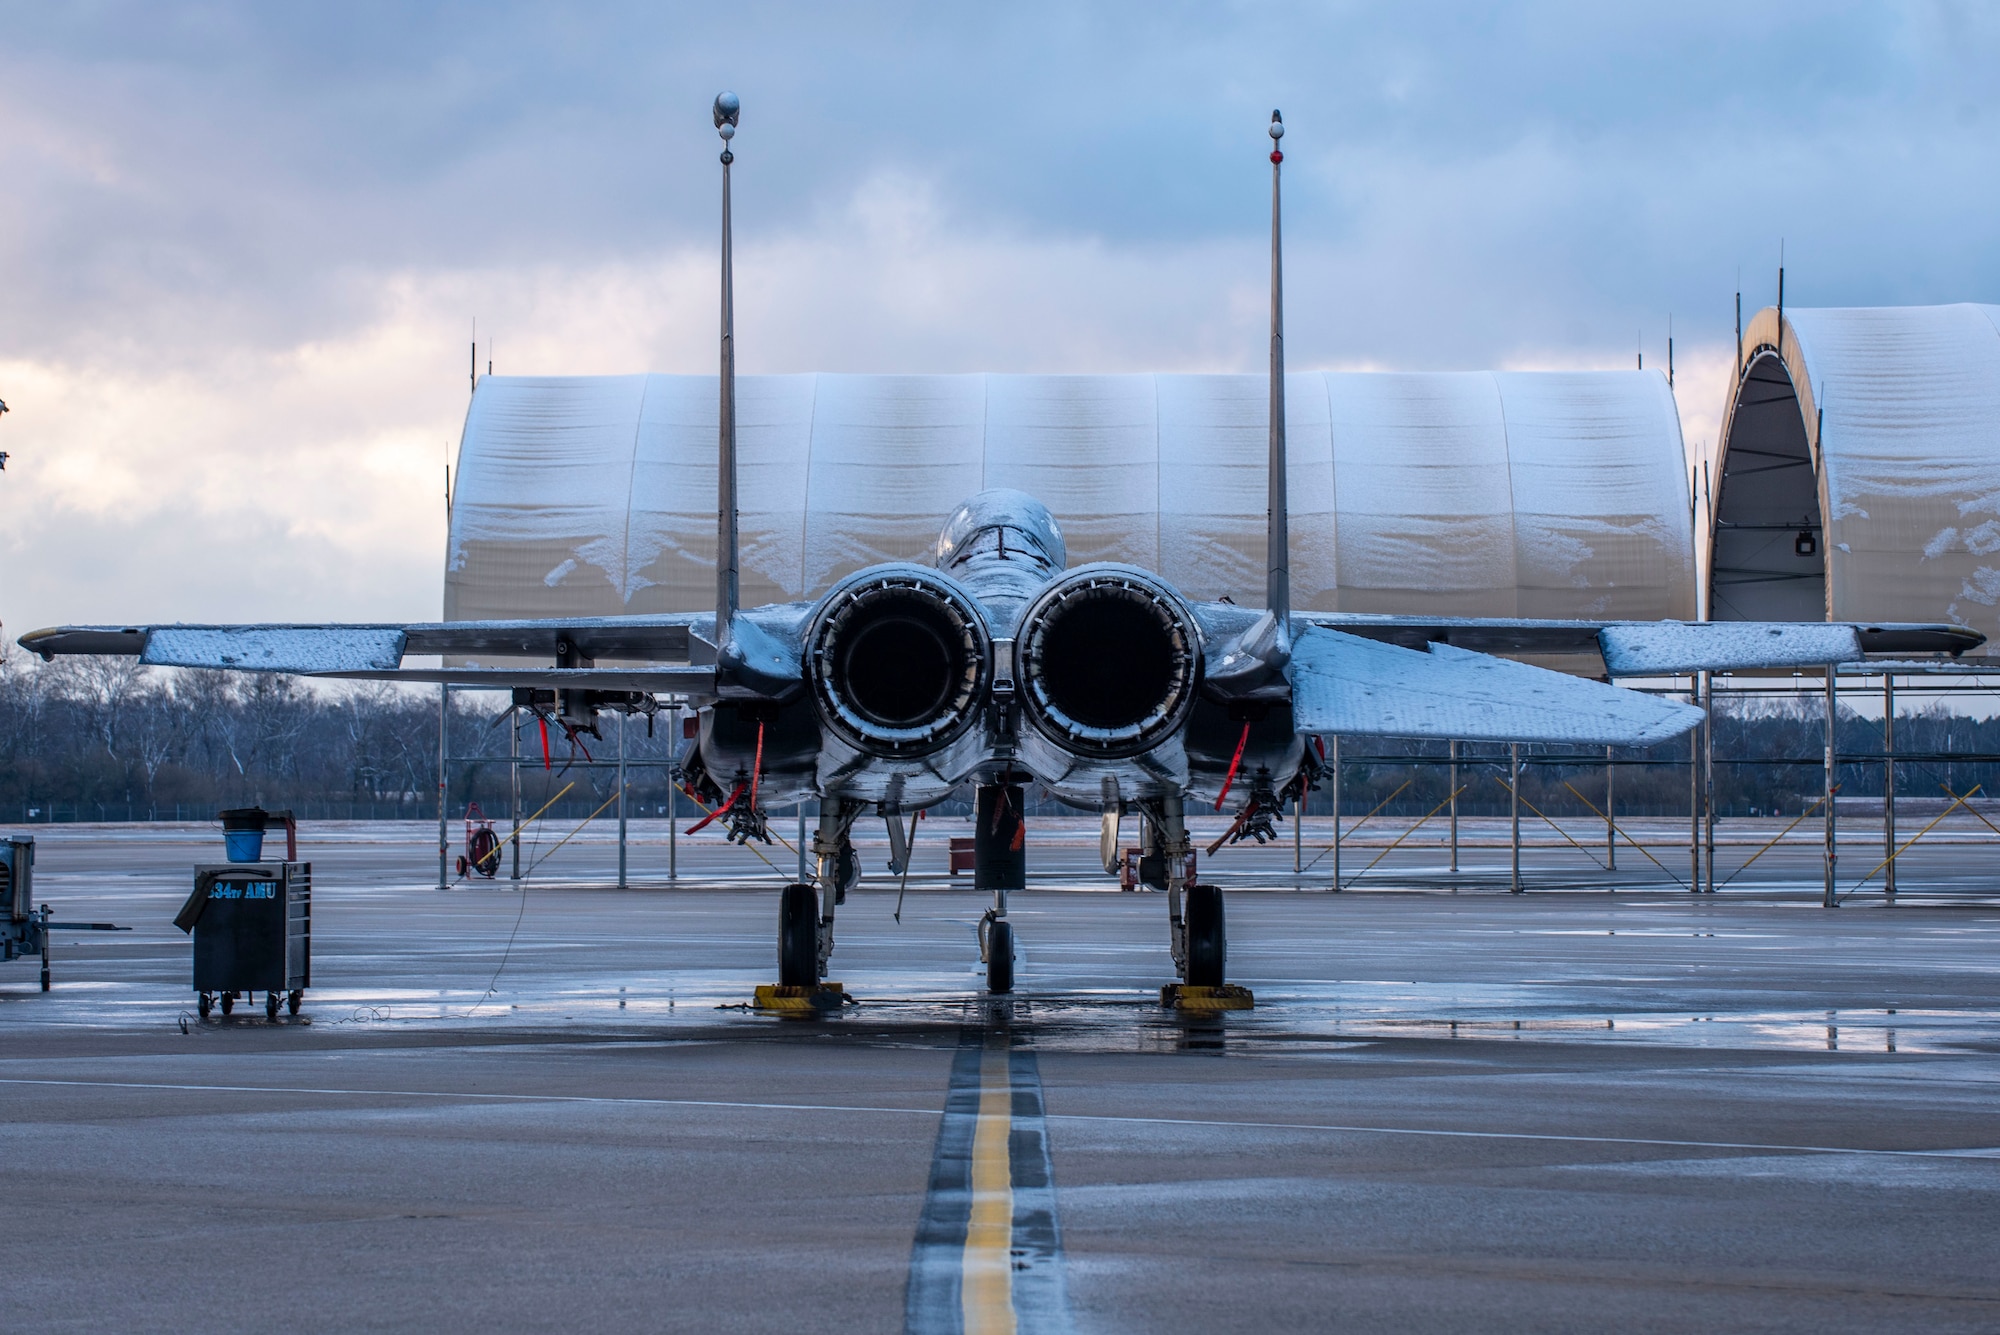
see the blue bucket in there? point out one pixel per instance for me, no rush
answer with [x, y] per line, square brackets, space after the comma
[243, 845]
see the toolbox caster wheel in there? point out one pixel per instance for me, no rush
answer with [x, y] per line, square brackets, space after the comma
[292, 1002]
[204, 1003]
[271, 1006]
[1000, 957]
[228, 1002]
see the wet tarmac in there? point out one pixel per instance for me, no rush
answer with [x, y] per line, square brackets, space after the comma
[1449, 1111]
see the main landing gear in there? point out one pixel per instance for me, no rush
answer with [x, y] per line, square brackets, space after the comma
[798, 937]
[996, 948]
[1196, 928]
[805, 918]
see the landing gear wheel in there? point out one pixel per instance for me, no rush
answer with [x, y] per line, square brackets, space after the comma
[292, 1002]
[1000, 957]
[228, 1002]
[1206, 940]
[798, 937]
[271, 1006]
[204, 1003]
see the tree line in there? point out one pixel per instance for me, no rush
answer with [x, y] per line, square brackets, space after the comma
[87, 738]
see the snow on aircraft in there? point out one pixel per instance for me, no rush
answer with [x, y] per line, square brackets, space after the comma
[997, 665]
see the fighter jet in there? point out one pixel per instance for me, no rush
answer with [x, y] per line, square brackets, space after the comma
[997, 665]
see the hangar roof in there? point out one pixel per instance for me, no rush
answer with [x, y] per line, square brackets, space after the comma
[1535, 494]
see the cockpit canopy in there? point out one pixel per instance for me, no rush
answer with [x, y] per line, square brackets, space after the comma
[1014, 517]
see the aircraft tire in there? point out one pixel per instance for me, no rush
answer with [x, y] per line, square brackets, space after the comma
[1000, 957]
[292, 1001]
[271, 1005]
[228, 1002]
[1207, 945]
[798, 937]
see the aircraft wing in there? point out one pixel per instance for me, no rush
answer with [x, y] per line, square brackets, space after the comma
[1660, 648]
[680, 644]
[1345, 684]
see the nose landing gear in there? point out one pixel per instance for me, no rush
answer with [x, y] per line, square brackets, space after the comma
[996, 947]
[1196, 927]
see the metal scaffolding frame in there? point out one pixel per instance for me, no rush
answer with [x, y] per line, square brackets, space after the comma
[1937, 678]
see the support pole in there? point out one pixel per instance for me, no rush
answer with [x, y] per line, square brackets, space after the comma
[1453, 790]
[1610, 818]
[1336, 813]
[514, 793]
[1514, 813]
[673, 798]
[1694, 792]
[1298, 833]
[802, 840]
[1828, 899]
[621, 799]
[1708, 781]
[1889, 786]
[444, 763]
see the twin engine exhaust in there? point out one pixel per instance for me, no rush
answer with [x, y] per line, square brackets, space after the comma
[899, 658]
[901, 661]
[1109, 661]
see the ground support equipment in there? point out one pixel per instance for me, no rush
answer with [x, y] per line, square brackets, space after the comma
[252, 929]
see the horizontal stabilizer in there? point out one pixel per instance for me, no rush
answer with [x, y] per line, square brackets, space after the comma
[302, 649]
[675, 680]
[1343, 684]
[1663, 648]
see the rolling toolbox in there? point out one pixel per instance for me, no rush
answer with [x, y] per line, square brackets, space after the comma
[252, 929]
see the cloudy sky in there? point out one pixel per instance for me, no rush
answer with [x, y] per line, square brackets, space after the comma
[243, 247]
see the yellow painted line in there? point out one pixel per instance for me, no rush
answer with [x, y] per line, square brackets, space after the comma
[987, 1285]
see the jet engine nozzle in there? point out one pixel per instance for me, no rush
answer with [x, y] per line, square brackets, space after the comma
[1109, 661]
[899, 658]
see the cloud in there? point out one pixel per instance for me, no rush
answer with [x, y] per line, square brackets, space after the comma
[244, 246]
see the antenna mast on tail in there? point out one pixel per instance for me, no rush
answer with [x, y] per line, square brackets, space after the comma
[727, 110]
[1278, 579]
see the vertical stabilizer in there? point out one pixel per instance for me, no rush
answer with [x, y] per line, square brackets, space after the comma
[727, 110]
[1278, 577]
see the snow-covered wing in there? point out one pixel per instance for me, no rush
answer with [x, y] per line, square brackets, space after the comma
[662, 638]
[684, 680]
[1348, 685]
[1661, 646]
[1666, 647]
[303, 649]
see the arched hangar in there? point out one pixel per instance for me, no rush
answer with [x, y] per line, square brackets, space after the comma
[1860, 469]
[1534, 494]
